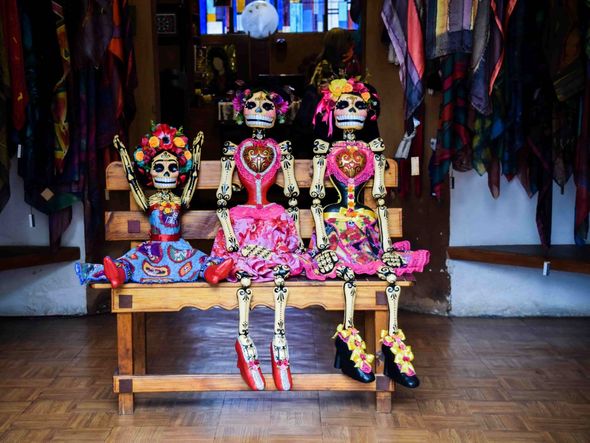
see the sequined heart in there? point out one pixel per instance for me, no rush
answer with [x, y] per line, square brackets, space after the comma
[351, 161]
[258, 157]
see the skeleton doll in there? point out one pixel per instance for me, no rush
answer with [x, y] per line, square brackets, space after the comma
[262, 238]
[350, 238]
[165, 161]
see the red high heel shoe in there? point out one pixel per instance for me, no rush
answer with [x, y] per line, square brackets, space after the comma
[215, 273]
[249, 368]
[115, 274]
[281, 372]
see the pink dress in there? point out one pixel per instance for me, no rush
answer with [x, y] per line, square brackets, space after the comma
[353, 228]
[259, 222]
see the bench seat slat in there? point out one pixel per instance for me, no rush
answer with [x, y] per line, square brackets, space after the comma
[173, 297]
[203, 224]
[210, 174]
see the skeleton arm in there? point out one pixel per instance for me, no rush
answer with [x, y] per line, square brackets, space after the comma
[317, 191]
[379, 192]
[223, 195]
[291, 190]
[191, 184]
[136, 190]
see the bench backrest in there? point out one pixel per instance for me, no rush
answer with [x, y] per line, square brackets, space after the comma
[202, 224]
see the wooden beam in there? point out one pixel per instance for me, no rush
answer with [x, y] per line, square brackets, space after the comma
[14, 257]
[568, 258]
[302, 294]
[234, 382]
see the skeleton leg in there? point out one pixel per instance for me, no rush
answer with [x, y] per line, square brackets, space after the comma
[247, 354]
[351, 357]
[279, 347]
[349, 287]
[392, 293]
[397, 355]
[244, 295]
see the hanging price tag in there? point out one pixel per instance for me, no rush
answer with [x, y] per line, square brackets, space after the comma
[415, 166]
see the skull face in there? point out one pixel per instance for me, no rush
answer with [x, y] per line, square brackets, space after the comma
[260, 111]
[350, 112]
[164, 171]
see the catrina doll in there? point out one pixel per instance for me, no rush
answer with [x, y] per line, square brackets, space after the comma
[165, 161]
[261, 237]
[350, 238]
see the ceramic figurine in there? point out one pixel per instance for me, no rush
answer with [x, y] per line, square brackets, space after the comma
[261, 237]
[165, 161]
[350, 238]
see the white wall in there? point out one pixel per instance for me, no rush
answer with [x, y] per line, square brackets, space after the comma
[40, 290]
[483, 289]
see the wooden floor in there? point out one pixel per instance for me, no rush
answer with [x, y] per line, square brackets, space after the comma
[482, 380]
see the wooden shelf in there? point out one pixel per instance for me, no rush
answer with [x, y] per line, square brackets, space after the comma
[568, 258]
[14, 257]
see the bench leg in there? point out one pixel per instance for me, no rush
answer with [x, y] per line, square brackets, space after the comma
[139, 344]
[383, 402]
[125, 358]
[375, 322]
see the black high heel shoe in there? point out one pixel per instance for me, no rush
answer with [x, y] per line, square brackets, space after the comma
[391, 369]
[343, 362]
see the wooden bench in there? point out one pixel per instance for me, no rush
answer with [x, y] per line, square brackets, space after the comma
[131, 302]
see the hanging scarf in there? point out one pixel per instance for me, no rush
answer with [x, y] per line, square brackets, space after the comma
[4, 155]
[59, 107]
[449, 27]
[488, 50]
[13, 37]
[582, 168]
[453, 138]
[402, 21]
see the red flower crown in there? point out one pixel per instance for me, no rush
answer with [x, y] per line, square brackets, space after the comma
[163, 138]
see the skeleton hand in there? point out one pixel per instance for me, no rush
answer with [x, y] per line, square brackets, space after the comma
[119, 144]
[326, 261]
[256, 251]
[393, 259]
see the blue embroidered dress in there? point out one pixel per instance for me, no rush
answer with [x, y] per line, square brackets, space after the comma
[164, 258]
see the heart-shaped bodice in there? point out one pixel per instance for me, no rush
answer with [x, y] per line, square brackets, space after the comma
[258, 157]
[351, 161]
[258, 161]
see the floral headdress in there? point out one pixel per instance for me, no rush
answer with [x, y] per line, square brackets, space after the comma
[163, 138]
[335, 89]
[241, 97]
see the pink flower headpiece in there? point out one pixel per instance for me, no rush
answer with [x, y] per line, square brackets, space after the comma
[241, 97]
[332, 93]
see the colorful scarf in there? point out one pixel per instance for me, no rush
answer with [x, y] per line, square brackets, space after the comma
[59, 106]
[13, 37]
[402, 21]
[4, 155]
[453, 139]
[449, 27]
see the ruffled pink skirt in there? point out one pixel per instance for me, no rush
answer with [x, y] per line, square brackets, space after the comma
[270, 227]
[356, 243]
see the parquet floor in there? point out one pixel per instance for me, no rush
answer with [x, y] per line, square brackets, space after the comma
[482, 380]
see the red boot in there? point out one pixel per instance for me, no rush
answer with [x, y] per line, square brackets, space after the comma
[249, 368]
[115, 273]
[281, 371]
[215, 273]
